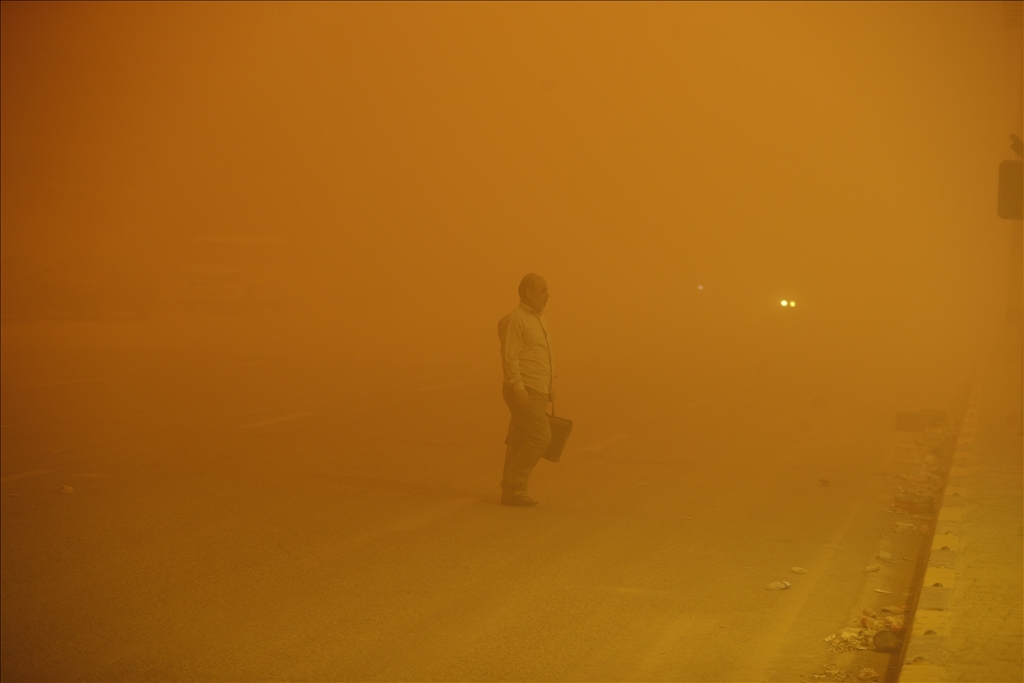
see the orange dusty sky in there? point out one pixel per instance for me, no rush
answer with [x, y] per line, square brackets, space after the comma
[420, 158]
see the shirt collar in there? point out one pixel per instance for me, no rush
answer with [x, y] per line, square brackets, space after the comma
[523, 305]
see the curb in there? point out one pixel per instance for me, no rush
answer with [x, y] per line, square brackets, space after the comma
[923, 659]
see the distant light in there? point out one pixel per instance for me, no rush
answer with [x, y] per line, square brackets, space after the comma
[785, 303]
[792, 304]
[701, 287]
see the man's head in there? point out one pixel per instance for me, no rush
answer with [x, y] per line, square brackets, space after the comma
[533, 291]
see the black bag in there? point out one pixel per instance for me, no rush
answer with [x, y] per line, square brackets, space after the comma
[560, 430]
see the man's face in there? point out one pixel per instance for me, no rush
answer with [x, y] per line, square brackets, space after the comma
[537, 295]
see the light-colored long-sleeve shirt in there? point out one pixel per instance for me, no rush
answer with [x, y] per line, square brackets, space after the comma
[525, 350]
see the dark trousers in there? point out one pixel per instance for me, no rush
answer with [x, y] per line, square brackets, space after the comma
[529, 434]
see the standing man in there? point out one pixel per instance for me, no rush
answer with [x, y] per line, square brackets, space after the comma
[526, 363]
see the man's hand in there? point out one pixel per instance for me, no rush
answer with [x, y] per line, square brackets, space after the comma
[522, 398]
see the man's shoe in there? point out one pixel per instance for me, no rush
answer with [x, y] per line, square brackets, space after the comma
[518, 499]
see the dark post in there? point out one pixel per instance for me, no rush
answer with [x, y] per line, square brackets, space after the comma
[1011, 207]
[1011, 183]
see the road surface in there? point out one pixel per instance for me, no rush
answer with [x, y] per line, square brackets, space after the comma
[258, 512]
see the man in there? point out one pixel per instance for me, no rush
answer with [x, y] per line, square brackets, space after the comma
[526, 364]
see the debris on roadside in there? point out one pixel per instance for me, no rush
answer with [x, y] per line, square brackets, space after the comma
[850, 639]
[912, 504]
[798, 570]
[65, 489]
[779, 585]
[918, 496]
[883, 634]
[918, 491]
[885, 641]
[893, 623]
[831, 673]
[867, 674]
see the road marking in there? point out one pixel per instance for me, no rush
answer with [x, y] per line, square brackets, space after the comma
[694, 404]
[65, 382]
[423, 519]
[601, 445]
[443, 385]
[623, 590]
[92, 665]
[274, 420]
[23, 475]
[658, 660]
[404, 524]
[652, 417]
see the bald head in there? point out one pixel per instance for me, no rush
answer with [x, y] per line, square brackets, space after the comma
[533, 291]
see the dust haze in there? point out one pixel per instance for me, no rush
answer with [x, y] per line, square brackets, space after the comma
[348, 194]
[419, 159]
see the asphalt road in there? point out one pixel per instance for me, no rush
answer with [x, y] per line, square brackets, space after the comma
[253, 512]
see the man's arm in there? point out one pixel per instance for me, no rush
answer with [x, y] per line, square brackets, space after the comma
[511, 335]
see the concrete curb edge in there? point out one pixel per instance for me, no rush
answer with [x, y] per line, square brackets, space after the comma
[923, 660]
